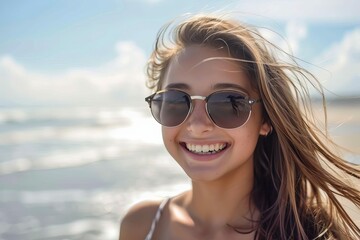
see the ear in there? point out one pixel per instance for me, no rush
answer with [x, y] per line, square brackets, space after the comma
[265, 128]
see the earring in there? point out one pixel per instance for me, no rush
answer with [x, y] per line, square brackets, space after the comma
[269, 132]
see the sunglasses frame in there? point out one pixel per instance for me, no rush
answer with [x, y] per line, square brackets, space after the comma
[248, 101]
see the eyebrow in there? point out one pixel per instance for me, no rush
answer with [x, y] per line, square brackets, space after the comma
[178, 86]
[230, 85]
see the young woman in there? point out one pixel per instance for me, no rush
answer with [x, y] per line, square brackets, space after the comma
[237, 120]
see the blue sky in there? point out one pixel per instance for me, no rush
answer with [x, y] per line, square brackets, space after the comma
[93, 52]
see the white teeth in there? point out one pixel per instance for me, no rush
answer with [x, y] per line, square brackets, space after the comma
[198, 148]
[205, 149]
[212, 147]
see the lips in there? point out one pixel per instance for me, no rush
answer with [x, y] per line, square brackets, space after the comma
[205, 148]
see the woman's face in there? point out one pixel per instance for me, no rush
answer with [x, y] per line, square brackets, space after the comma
[235, 147]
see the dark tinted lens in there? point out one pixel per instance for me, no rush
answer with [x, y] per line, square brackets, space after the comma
[170, 108]
[228, 109]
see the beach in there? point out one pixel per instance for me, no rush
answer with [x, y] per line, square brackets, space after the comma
[343, 123]
[344, 130]
[71, 173]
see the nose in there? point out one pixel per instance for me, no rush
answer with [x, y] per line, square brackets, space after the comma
[198, 121]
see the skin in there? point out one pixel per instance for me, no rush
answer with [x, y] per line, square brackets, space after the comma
[222, 182]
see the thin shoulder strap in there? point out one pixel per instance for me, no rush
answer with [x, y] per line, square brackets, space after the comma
[156, 219]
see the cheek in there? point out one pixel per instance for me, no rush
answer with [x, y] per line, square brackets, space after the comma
[244, 145]
[170, 143]
[246, 138]
[168, 135]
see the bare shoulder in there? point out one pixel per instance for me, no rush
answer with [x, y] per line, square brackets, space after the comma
[137, 221]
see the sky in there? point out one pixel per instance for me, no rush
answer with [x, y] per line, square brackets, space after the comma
[93, 52]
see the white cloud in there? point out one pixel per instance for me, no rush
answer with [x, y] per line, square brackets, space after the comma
[295, 33]
[338, 66]
[342, 61]
[303, 10]
[119, 81]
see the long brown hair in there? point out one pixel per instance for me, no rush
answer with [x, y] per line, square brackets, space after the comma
[294, 191]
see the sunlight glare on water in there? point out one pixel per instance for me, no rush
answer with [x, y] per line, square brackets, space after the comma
[142, 129]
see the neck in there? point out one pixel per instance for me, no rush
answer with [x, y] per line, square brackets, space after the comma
[223, 202]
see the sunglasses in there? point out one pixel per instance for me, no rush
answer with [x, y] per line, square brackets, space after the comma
[226, 109]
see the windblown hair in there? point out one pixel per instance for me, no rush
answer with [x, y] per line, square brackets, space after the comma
[296, 188]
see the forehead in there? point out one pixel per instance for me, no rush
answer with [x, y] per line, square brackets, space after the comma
[206, 67]
[196, 58]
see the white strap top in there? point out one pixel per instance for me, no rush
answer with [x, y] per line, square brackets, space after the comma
[156, 219]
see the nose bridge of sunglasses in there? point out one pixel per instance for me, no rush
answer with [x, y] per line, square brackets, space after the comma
[202, 106]
[197, 98]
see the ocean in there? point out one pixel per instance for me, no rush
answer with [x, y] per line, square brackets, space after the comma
[72, 172]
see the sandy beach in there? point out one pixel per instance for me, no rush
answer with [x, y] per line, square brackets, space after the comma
[343, 124]
[344, 129]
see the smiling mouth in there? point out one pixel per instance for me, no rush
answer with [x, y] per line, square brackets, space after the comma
[205, 149]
